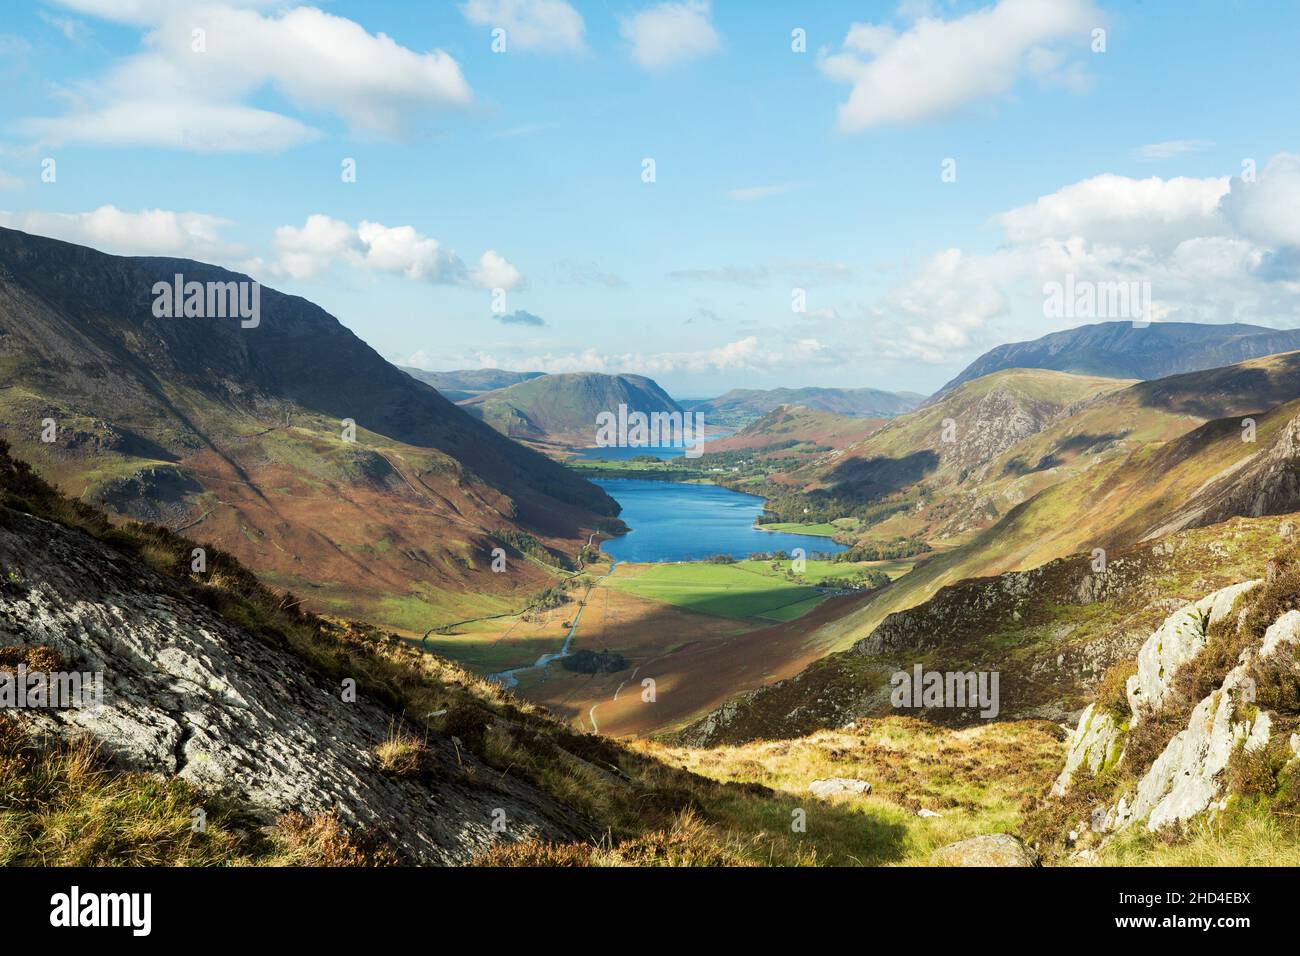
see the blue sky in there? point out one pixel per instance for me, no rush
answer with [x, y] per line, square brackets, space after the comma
[522, 171]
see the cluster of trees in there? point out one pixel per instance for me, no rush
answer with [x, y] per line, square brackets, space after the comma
[865, 580]
[899, 547]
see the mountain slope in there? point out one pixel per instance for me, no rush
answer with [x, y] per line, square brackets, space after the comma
[1122, 350]
[935, 471]
[459, 385]
[307, 741]
[237, 434]
[796, 432]
[563, 408]
[743, 405]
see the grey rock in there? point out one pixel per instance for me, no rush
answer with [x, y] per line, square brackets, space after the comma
[991, 849]
[189, 694]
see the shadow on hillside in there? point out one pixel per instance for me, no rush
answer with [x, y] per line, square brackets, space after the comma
[1081, 443]
[1225, 391]
[877, 477]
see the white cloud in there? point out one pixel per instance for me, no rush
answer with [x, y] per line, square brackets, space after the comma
[541, 25]
[1269, 210]
[73, 29]
[1173, 147]
[1213, 250]
[309, 251]
[494, 272]
[1111, 208]
[670, 33]
[937, 66]
[172, 95]
[149, 232]
[10, 181]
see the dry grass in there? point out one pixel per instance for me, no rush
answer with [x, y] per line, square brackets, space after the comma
[976, 779]
[403, 754]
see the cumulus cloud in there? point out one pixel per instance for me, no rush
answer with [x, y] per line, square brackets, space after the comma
[1218, 249]
[540, 25]
[1112, 208]
[149, 232]
[311, 250]
[665, 35]
[937, 66]
[203, 62]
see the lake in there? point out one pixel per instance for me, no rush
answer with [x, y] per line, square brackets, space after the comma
[675, 521]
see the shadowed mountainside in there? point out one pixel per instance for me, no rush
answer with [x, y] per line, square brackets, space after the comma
[238, 434]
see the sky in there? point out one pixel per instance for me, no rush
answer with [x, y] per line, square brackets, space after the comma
[717, 195]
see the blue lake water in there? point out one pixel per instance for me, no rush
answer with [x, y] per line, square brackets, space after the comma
[627, 452]
[675, 521]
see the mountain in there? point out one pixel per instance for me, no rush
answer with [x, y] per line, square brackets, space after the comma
[790, 434]
[743, 405]
[304, 741]
[1163, 468]
[239, 435]
[466, 383]
[1123, 350]
[934, 471]
[563, 409]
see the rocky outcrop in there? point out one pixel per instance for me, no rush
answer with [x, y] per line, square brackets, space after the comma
[992, 849]
[1180, 638]
[1267, 483]
[187, 693]
[1187, 778]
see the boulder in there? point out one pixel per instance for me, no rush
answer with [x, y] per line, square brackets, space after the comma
[838, 786]
[991, 849]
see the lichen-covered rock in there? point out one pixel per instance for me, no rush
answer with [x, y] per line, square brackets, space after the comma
[187, 693]
[1180, 638]
[1186, 779]
[991, 849]
[1095, 743]
[837, 786]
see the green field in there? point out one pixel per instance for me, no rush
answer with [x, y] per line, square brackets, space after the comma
[723, 590]
[823, 530]
[745, 590]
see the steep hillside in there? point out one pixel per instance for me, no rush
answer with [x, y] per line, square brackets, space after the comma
[238, 435]
[935, 470]
[223, 696]
[459, 385]
[1124, 350]
[741, 406]
[563, 409]
[1051, 632]
[1124, 501]
[795, 433]
[1196, 735]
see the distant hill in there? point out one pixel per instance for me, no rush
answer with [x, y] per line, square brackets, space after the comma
[794, 433]
[741, 406]
[239, 436]
[1120, 350]
[563, 408]
[466, 383]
